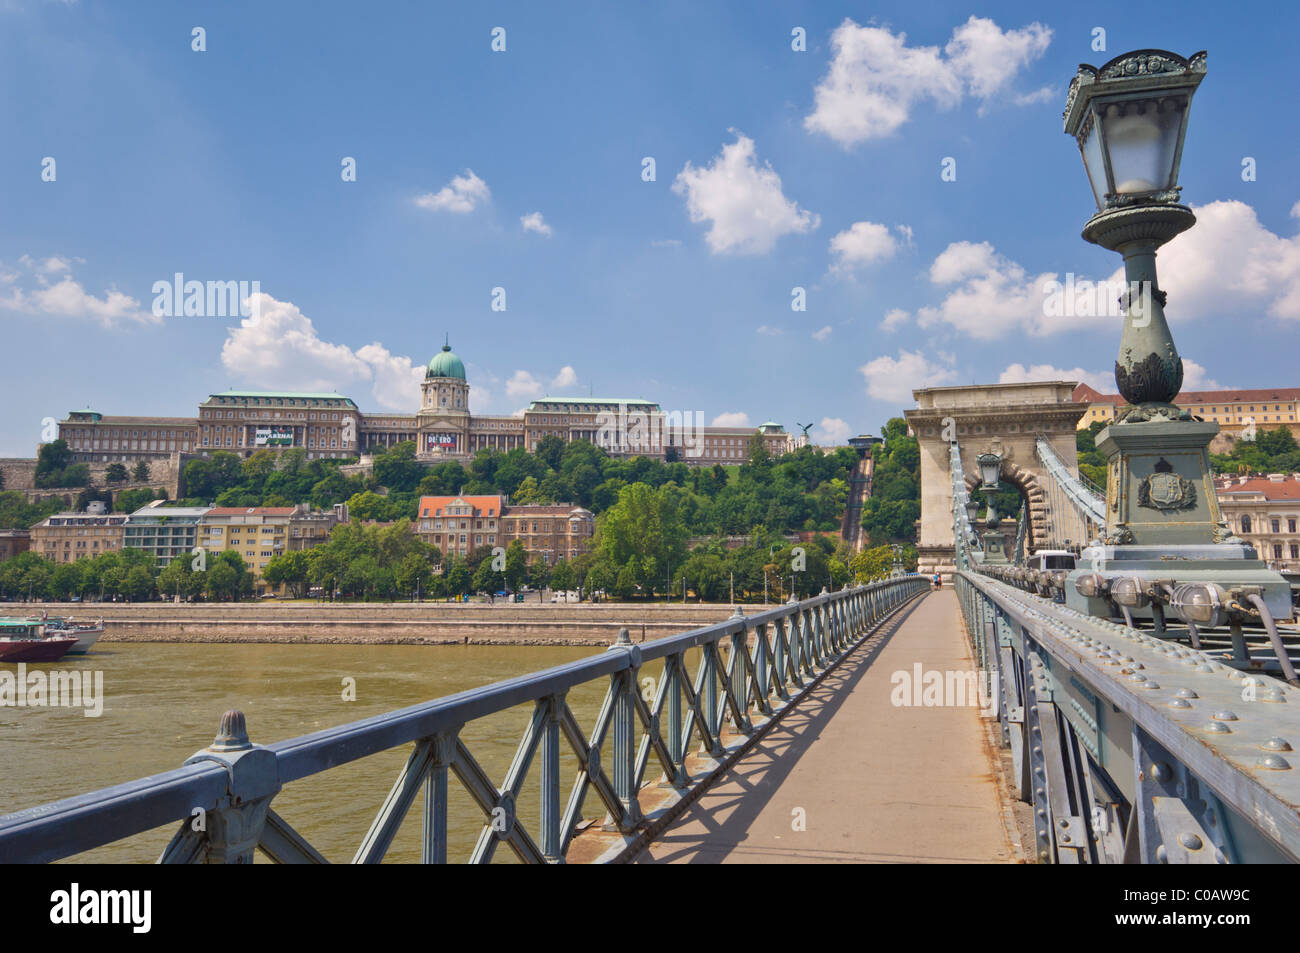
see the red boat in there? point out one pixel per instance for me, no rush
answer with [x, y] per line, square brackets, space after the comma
[24, 640]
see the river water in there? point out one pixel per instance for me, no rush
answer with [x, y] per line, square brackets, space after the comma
[163, 701]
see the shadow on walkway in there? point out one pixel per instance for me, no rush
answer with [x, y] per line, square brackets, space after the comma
[740, 795]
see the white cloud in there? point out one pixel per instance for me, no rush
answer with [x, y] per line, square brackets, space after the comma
[1195, 377]
[894, 319]
[277, 346]
[894, 380]
[994, 295]
[742, 201]
[532, 222]
[1229, 263]
[988, 58]
[875, 78]
[822, 334]
[832, 431]
[767, 331]
[863, 243]
[523, 384]
[1103, 381]
[733, 419]
[463, 194]
[567, 377]
[30, 292]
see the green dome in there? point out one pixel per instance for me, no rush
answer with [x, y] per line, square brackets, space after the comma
[446, 364]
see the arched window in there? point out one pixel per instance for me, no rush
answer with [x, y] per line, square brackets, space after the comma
[1245, 524]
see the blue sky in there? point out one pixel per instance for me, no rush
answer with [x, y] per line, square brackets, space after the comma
[522, 170]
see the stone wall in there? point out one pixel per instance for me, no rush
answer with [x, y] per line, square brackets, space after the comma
[415, 623]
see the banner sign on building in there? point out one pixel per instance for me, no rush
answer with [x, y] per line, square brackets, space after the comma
[273, 437]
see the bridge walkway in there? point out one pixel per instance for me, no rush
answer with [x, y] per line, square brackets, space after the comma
[872, 782]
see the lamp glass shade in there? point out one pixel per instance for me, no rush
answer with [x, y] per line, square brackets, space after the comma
[989, 472]
[1141, 139]
[1095, 163]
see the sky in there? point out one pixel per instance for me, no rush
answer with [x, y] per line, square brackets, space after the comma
[625, 200]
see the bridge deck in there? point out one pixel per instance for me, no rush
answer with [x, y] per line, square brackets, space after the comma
[875, 782]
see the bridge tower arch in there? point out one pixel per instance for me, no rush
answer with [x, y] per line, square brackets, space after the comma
[1006, 419]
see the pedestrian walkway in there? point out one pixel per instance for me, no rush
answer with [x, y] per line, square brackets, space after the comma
[847, 776]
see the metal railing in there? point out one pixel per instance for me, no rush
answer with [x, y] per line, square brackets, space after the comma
[1131, 748]
[750, 670]
[1088, 501]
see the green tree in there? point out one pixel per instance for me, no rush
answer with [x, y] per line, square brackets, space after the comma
[115, 473]
[457, 577]
[140, 474]
[516, 565]
[539, 573]
[563, 576]
[51, 460]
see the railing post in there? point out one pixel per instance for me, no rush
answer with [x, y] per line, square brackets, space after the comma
[624, 730]
[739, 652]
[674, 666]
[434, 848]
[234, 825]
[711, 721]
[550, 781]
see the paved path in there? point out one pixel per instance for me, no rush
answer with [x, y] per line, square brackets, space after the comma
[873, 782]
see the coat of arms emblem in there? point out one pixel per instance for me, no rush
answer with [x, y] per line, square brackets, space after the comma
[1164, 489]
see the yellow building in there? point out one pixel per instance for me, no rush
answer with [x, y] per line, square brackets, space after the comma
[1234, 411]
[257, 533]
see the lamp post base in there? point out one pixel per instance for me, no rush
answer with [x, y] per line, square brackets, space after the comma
[1163, 523]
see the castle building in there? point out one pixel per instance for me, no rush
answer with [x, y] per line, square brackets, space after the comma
[330, 425]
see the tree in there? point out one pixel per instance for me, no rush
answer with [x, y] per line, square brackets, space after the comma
[516, 565]
[138, 584]
[539, 573]
[563, 577]
[487, 579]
[286, 569]
[115, 473]
[457, 577]
[51, 460]
[140, 474]
[413, 574]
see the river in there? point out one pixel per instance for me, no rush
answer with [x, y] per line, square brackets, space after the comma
[162, 703]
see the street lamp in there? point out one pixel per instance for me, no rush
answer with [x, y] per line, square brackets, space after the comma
[990, 465]
[1129, 118]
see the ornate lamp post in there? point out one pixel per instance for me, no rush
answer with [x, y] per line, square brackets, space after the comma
[1129, 118]
[994, 545]
[990, 465]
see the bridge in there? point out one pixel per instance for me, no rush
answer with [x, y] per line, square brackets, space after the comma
[822, 730]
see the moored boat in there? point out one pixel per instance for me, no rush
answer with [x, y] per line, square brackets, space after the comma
[24, 640]
[87, 633]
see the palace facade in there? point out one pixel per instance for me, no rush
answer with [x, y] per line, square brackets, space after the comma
[331, 425]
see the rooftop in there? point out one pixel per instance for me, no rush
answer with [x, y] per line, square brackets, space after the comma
[1085, 394]
[1275, 486]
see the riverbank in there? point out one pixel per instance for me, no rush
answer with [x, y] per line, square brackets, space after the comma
[387, 624]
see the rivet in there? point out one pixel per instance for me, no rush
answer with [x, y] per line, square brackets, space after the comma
[1190, 841]
[1217, 728]
[1224, 716]
[1273, 762]
[1276, 744]
[1187, 693]
[1180, 703]
[1160, 771]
